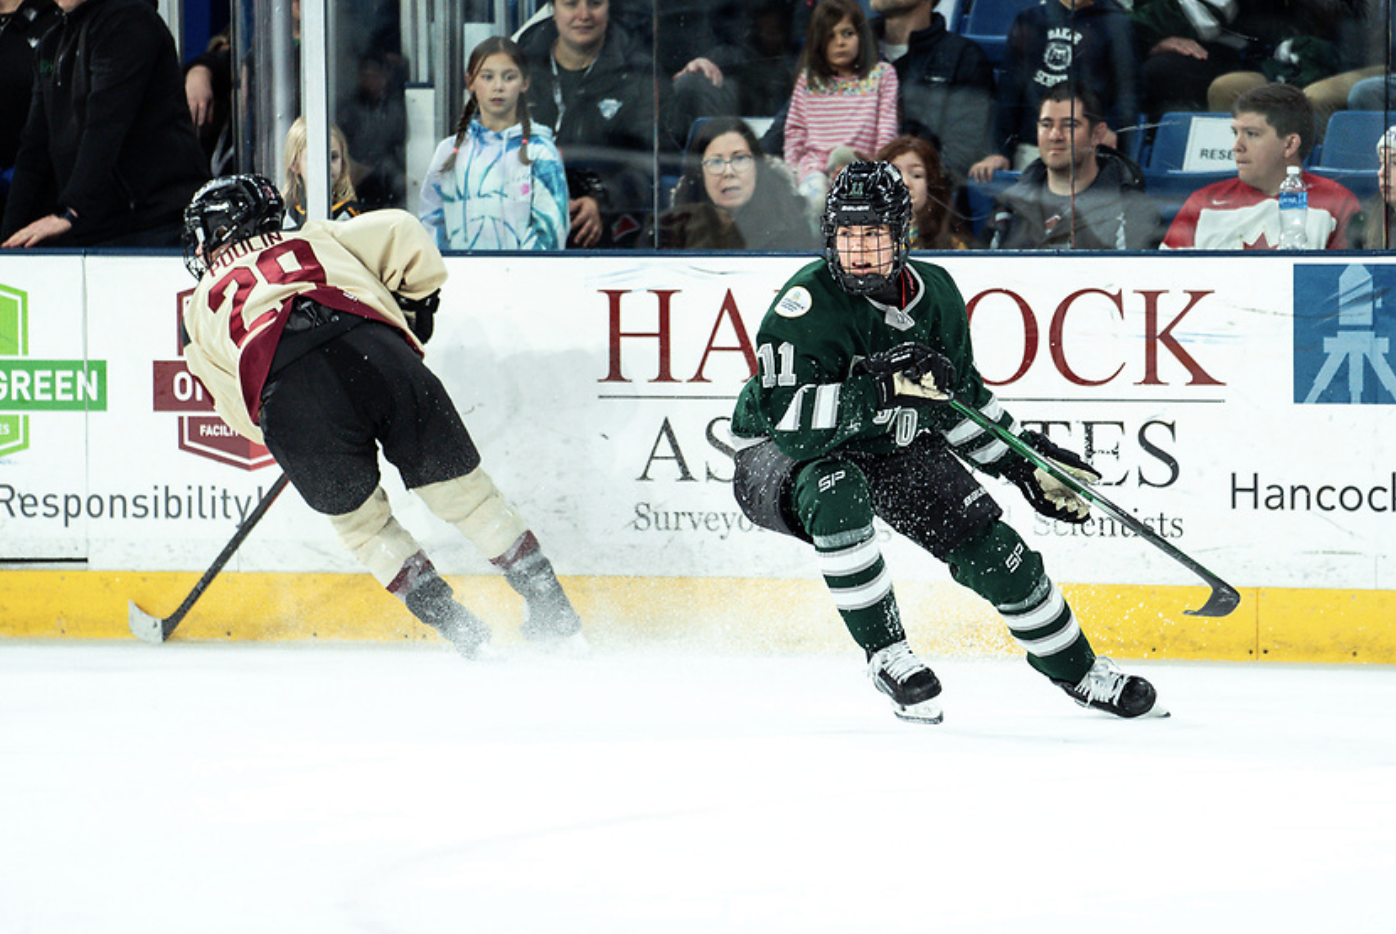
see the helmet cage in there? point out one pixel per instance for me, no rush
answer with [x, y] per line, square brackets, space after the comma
[867, 194]
[227, 210]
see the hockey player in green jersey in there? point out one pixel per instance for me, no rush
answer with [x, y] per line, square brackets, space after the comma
[844, 421]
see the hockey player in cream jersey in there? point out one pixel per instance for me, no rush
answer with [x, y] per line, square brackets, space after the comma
[310, 341]
[843, 422]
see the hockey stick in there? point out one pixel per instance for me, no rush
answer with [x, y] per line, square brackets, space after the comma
[150, 629]
[1224, 597]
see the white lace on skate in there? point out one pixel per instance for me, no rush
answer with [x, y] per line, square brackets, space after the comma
[1103, 689]
[1102, 684]
[899, 663]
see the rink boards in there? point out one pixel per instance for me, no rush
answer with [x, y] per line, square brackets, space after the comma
[1241, 408]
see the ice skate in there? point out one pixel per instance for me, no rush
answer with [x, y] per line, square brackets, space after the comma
[898, 673]
[1105, 687]
[549, 619]
[468, 633]
[433, 603]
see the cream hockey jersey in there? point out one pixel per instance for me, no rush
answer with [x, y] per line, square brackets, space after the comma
[239, 309]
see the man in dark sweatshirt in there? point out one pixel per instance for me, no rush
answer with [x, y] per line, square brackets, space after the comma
[1090, 42]
[945, 82]
[108, 156]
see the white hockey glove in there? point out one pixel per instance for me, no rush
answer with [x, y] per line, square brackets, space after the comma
[1044, 492]
[908, 372]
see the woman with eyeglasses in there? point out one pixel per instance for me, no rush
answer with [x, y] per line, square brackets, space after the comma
[732, 197]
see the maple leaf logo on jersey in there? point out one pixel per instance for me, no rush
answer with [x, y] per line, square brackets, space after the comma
[1260, 243]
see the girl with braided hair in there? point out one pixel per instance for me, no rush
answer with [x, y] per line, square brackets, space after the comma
[498, 184]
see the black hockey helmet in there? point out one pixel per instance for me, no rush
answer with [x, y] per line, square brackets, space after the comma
[227, 210]
[867, 194]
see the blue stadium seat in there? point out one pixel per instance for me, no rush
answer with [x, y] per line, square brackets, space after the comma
[1165, 179]
[1168, 153]
[979, 198]
[1351, 139]
[1348, 155]
[987, 24]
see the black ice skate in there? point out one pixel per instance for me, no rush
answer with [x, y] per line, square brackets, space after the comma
[902, 676]
[548, 615]
[1107, 688]
[433, 602]
[468, 633]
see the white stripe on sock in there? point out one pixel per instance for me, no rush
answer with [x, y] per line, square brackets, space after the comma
[1054, 643]
[849, 560]
[864, 595]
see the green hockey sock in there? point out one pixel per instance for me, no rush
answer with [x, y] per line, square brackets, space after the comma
[857, 578]
[999, 566]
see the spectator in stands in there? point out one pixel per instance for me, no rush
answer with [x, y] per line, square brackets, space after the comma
[736, 60]
[108, 156]
[1374, 87]
[945, 82]
[733, 197]
[344, 200]
[593, 84]
[1078, 194]
[843, 96]
[208, 87]
[1184, 47]
[498, 184]
[1374, 93]
[1274, 127]
[1293, 42]
[22, 24]
[374, 118]
[935, 226]
[1364, 46]
[1375, 227]
[1087, 41]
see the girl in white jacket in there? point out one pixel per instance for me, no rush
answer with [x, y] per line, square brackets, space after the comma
[498, 184]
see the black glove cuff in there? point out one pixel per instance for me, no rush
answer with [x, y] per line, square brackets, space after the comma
[420, 313]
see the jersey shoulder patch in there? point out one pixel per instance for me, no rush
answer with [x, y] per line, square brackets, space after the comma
[794, 303]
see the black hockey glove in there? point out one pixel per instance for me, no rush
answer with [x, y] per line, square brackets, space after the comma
[421, 313]
[1044, 492]
[908, 373]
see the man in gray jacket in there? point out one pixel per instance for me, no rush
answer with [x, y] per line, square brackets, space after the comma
[1079, 194]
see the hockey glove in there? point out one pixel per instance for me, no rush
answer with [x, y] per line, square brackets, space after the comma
[420, 313]
[908, 373]
[1044, 492]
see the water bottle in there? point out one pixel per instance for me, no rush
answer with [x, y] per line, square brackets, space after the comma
[1294, 210]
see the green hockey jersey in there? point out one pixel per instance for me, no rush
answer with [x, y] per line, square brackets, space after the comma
[805, 398]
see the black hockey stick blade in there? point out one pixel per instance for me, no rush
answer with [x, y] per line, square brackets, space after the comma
[154, 630]
[1223, 599]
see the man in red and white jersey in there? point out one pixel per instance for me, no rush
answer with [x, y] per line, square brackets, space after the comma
[1274, 128]
[310, 341]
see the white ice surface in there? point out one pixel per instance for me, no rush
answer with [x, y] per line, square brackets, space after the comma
[323, 789]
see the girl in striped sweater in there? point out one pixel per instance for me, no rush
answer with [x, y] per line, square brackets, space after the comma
[844, 96]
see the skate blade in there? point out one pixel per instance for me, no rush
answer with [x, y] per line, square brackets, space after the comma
[928, 711]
